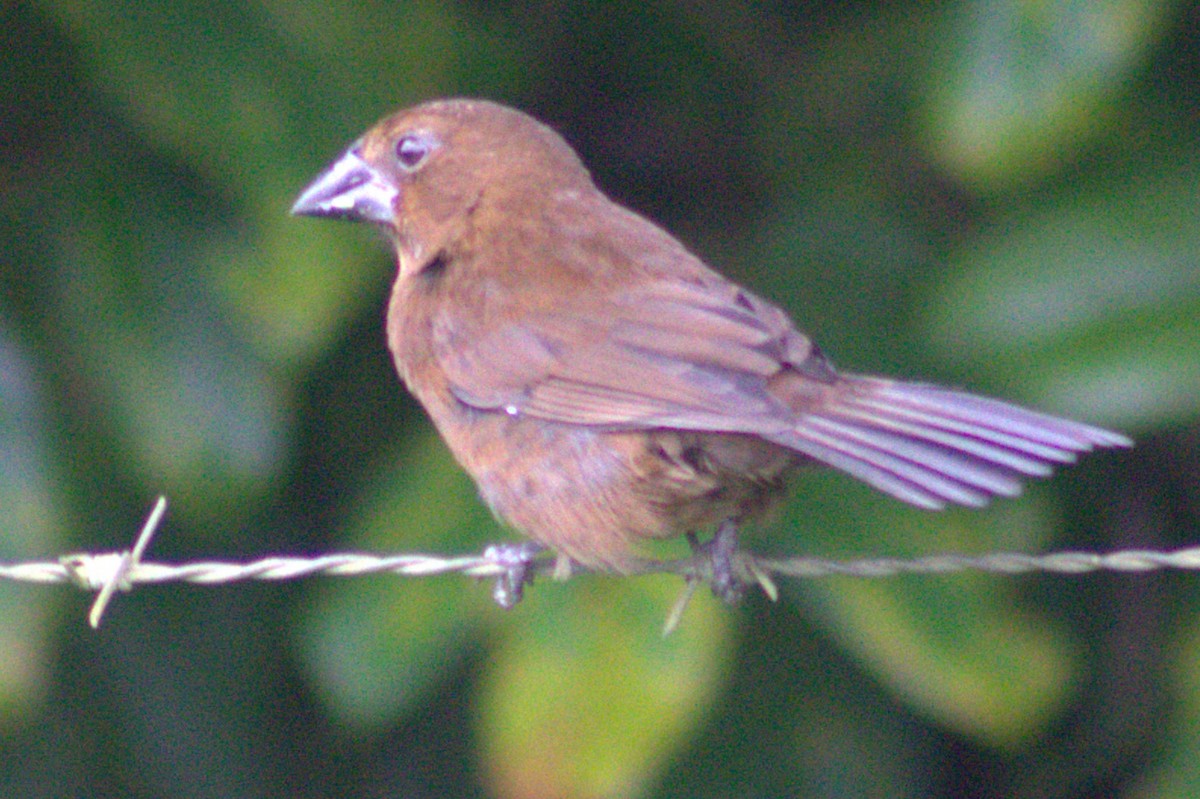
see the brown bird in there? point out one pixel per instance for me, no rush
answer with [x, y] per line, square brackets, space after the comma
[601, 384]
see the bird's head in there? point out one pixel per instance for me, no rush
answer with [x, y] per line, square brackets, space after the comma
[422, 173]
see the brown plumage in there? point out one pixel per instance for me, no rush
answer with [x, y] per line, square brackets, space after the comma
[603, 385]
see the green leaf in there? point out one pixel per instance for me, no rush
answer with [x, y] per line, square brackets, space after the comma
[213, 86]
[31, 529]
[197, 413]
[798, 719]
[956, 647]
[837, 254]
[375, 647]
[1091, 308]
[1175, 772]
[583, 695]
[1027, 83]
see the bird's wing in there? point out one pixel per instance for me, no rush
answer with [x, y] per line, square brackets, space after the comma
[712, 357]
[689, 355]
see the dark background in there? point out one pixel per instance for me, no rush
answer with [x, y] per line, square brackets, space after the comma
[999, 195]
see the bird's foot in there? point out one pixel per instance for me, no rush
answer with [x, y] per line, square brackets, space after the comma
[721, 562]
[517, 561]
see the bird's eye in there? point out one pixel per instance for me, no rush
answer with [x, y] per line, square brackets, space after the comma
[411, 151]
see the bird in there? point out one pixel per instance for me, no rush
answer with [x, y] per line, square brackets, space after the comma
[602, 385]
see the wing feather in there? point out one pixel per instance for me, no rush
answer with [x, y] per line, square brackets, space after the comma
[705, 355]
[669, 354]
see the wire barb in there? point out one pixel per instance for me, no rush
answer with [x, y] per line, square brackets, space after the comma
[106, 573]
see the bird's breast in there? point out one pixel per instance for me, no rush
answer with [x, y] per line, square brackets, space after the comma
[593, 493]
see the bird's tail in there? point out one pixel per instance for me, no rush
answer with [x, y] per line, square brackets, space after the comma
[932, 446]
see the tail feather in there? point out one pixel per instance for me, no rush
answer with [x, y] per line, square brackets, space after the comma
[917, 449]
[996, 415]
[1023, 455]
[931, 446]
[834, 453]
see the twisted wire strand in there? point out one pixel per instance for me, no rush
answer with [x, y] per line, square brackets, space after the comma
[111, 571]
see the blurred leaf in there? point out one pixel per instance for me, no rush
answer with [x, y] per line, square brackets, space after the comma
[1092, 307]
[374, 647]
[30, 529]
[956, 647]
[798, 719]
[195, 81]
[1026, 83]
[584, 696]
[214, 85]
[838, 254]
[959, 652]
[293, 289]
[197, 412]
[1175, 773]
[210, 81]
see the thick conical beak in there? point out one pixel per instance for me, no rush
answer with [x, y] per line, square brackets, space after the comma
[349, 189]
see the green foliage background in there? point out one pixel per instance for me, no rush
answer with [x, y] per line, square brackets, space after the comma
[1000, 195]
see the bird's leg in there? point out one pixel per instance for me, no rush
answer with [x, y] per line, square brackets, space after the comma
[516, 560]
[727, 584]
[721, 554]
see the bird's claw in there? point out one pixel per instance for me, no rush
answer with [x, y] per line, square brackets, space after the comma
[516, 561]
[721, 562]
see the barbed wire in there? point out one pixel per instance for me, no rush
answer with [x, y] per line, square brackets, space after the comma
[106, 573]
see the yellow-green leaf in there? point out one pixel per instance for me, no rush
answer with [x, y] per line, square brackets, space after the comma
[584, 697]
